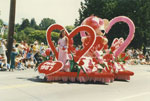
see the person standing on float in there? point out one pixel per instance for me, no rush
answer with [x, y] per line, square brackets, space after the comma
[62, 47]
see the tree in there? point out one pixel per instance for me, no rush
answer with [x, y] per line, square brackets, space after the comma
[1, 22]
[31, 36]
[69, 28]
[76, 22]
[28, 30]
[25, 23]
[55, 36]
[37, 35]
[33, 23]
[19, 36]
[136, 10]
[17, 27]
[46, 22]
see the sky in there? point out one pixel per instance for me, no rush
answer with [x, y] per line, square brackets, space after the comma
[64, 12]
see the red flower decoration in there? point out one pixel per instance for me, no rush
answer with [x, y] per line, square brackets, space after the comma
[91, 67]
[51, 58]
[63, 48]
[113, 48]
[108, 57]
[105, 46]
[95, 60]
[126, 58]
[81, 62]
[123, 55]
[47, 51]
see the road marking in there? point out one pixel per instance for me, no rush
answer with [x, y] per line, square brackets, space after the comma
[19, 86]
[133, 96]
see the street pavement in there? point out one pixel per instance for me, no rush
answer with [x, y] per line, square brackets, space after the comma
[24, 86]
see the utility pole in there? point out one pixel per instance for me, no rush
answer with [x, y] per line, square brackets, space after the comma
[11, 28]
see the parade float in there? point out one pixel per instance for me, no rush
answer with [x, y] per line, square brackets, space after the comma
[94, 61]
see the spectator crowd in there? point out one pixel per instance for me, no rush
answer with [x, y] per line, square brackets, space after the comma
[137, 56]
[24, 55]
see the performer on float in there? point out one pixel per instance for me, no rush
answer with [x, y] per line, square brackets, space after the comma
[63, 47]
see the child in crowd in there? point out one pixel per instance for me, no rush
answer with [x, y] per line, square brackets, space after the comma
[3, 64]
[30, 63]
[29, 55]
[20, 65]
[19, 62]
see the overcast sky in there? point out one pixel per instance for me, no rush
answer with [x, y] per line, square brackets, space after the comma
[64, 12]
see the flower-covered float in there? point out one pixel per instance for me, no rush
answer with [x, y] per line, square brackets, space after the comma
[94, 62]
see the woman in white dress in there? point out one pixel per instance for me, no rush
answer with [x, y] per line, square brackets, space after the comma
[62, 47]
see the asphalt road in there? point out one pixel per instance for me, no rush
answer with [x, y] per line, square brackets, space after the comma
[24, 86]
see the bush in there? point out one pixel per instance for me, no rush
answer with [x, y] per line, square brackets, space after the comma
[55, 36]
[39, 35]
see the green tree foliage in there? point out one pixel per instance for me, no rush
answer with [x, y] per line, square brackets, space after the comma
[33, 23]
[69, 28]
[25, 23]
[55, 36]
[1, 22]
[17, 27]
[31, 36]
[4, 36]
[46, 22]
[136, 10]
[39, 35]
[28, 30]
[20, 36]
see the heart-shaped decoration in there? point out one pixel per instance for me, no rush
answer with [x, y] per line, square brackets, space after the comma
[50, 67]
[70, 36]
[49, 40]
[131, 32]
[116, 44]
[98, 45]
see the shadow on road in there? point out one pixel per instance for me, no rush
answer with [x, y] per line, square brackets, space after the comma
[33, 79]
[36, 79]
[95, 83]
[122, 80]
